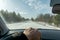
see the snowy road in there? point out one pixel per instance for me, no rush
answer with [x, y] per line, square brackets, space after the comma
[27, 24]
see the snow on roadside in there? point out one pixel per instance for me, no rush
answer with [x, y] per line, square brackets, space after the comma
[24, 25]
[48, 25]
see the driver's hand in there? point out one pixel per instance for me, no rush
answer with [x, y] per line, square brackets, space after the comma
[32, 34]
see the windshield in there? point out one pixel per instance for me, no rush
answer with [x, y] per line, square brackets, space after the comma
[22, 14]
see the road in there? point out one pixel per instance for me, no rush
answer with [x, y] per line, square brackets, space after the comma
[27, 24]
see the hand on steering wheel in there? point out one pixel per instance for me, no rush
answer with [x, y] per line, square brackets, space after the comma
[32, 34]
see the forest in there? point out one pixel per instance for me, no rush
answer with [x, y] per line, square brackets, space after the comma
[48, 18]
[12, 17]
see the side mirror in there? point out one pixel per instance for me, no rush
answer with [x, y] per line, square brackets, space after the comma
[56, 9]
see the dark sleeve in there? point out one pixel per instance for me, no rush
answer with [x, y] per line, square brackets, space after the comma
[17, 36]
[22, 36]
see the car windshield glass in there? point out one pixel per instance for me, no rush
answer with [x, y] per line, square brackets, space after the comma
[21, 14]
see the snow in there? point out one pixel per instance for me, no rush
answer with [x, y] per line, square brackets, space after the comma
[27, 24]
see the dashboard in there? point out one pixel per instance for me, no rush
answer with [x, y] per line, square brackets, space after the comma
[46, 34]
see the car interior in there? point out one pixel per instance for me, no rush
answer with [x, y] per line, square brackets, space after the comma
[46, 34]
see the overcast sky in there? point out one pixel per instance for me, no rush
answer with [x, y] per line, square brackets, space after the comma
[27, 8]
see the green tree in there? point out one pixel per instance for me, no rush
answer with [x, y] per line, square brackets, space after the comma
[32, 19]
[12, 17]
[39, 17]
[57, 20]
[45, 18]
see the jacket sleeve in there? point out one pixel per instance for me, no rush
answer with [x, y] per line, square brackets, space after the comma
[17, 36]
[22, 36]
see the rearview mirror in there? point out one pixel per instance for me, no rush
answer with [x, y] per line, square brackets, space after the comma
[56, 9]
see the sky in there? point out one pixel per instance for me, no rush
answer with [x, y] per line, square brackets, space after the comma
[27, 8]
